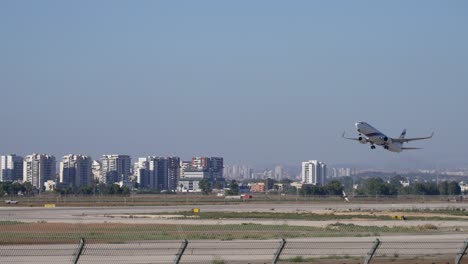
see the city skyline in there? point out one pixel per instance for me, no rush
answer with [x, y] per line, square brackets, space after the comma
[262, 82]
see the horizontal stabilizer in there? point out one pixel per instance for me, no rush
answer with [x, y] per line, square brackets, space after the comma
[357, 139]
[409, 148]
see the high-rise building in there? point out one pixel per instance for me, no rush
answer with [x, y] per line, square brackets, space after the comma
[237, 172]
[96, 169]
[115, 168]
[11, 168]
[183, 166]
[314, 172]
[158, 173]
[279, 172]
[76, 170]
[173, 172]
[216, 166]
[146, 171]
[211, 169]
[213, 165]
[162, 173]
[38, 168]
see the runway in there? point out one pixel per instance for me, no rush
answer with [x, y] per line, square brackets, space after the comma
[83, 215]
[98, 214]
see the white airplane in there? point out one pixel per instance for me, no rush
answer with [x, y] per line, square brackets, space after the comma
[369, 134]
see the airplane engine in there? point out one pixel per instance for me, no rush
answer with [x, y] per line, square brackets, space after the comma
[387, 140]
[363, 140]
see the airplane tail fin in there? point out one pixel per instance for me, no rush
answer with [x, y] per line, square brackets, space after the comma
[403, 134]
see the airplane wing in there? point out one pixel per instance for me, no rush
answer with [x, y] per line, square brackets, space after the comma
[357, 139]
[403, 140]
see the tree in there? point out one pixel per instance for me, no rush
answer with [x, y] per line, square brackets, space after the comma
[396, 181]
[347, 182]
[306, 189]
[292, 190]
[125, 190]
[233, 188]
[453, 188]
[28, 188]
[85, 189]
[334, 188]
[374, 186]
[114, 189]
[205, 186]
[309, 189]
[219, 185]
[443, 188]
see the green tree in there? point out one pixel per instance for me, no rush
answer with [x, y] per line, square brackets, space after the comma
[309, 189]
[347, 183]
[125, 190]
[205, 186]
[334, 188]
[219, 185]
[396, 181]
[114, 189]
[374, 186]
[233, 188]
[453, 188]
[443, 188]
[306, 189]
[17, 187]
[28, 188]
[292, 190]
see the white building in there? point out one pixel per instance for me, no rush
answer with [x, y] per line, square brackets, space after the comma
[463, 187]
[11, 168]
[96, 169]
[146, 171]
[38, 168]
[76, 170]
[183, 166]
[314, 172]
[115, 168]
[279, 172]
[191, 180]
[49, 186]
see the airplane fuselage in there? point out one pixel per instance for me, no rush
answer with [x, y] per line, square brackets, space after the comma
[369, 134]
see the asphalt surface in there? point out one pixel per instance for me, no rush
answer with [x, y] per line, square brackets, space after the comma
[97, 214]
[140, 214]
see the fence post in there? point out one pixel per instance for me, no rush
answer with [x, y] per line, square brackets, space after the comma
[371, 252]
[181, 251]
[462, 252]
[278, 251]
[78, 251]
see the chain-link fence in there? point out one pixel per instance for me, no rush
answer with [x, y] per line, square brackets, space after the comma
[242, 251]
[260, 233]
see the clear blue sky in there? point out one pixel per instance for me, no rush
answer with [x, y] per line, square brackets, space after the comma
[262, 82]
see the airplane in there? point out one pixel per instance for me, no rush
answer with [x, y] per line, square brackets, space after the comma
[369, 134]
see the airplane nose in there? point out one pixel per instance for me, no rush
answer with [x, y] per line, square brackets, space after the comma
[357, 124]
